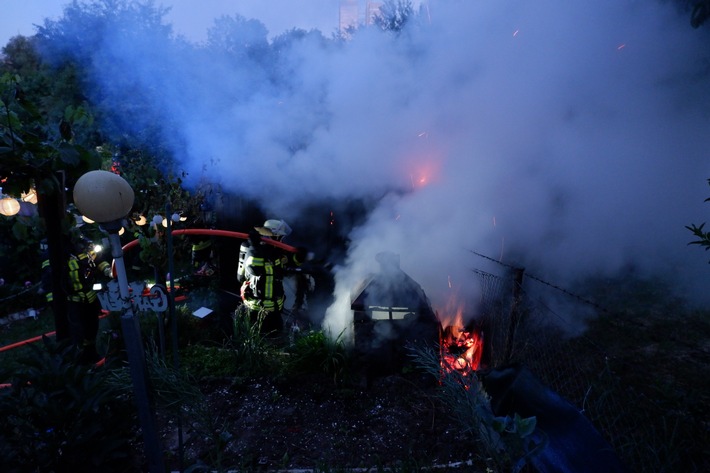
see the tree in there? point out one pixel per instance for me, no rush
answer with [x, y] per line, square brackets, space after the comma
[394, 14]
[700, 13]
[37, 154]
[239, 38]
[698, 231]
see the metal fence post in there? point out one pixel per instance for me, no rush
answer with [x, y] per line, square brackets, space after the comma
[518, 274]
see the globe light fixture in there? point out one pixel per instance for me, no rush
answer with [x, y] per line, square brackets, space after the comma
[103, 196]
[9, 206]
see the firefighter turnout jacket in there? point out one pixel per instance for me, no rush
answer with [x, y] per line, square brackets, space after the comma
[83, 273]
[261, 272]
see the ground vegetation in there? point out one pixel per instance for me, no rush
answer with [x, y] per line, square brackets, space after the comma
[250, 403]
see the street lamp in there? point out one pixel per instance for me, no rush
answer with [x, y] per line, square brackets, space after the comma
[107, 198]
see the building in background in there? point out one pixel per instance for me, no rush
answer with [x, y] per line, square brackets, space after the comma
[348, 17]
[371, 10]
[351, 18]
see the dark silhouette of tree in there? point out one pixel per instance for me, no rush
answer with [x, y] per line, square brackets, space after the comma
[703, 237]
[394, 14]
[700, 13]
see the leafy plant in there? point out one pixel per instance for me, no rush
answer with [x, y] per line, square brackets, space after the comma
[62, 416]
[204, 361]
[253, 354]
[175, 393]
[314, 351]
[509, 441]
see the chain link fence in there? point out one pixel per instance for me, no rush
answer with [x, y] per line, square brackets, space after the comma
[521, 323]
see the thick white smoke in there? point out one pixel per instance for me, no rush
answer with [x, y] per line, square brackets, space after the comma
[567, 136]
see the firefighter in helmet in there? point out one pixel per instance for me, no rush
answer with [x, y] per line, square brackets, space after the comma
[83, 307]
[261, 272]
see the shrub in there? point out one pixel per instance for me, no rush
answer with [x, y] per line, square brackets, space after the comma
[313, 351]
[62, 416]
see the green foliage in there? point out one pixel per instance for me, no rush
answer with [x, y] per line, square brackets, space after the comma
[16, 298]
[61, 416]
[314, 352]
[507, 440]
[204, 361]
[35, 152]
[175, 393]
[253, 354]
[33, 148]
[156, 183]
[19, 250]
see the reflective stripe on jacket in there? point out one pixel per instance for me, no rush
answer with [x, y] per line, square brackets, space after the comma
[80, 279]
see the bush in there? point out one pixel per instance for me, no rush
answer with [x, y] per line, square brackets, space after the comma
[15, 298]
[62, 416]
[313, 352]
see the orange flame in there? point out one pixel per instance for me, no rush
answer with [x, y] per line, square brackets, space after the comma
[461, 349]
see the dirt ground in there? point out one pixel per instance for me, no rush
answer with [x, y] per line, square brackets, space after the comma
[396, 422]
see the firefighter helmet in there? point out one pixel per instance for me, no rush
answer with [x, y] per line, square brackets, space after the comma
[274, 228]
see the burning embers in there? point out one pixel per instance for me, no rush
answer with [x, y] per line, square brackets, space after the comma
[460, 348]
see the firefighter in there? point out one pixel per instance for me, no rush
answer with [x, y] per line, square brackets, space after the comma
[46, 281]
[261, 272]
[202, 256]
[83, 307]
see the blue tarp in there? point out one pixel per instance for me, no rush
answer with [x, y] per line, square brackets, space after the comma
[573, 444]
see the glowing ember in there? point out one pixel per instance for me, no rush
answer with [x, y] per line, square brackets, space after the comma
[461, 350]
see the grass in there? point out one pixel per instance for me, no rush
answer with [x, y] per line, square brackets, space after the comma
[657, 347]
[651, 387]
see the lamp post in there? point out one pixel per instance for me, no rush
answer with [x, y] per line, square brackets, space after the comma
[107, 198]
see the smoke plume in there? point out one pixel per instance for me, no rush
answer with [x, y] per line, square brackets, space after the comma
[567, 137]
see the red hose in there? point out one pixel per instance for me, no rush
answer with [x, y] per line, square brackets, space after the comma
[207, 231]
[223, 233]
[25, 342]
[38, 337]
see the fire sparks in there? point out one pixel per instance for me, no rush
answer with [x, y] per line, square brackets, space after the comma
[421, 181]
[423, 174]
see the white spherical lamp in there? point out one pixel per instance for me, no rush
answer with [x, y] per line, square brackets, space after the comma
[9, 206]
[103, 196]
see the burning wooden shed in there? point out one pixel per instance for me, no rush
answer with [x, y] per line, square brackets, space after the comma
[389, 311]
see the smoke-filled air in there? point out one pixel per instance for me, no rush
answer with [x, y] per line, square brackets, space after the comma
[568, 137]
